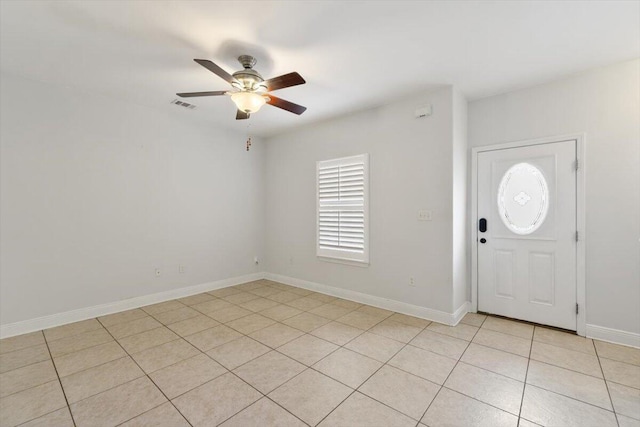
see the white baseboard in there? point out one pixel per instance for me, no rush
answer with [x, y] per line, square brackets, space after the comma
[387, 304]
[46, 322]
[461, 312]
[615, 336]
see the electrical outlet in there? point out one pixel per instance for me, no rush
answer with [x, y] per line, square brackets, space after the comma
[412, 282]
[157, 272]
[182, 269]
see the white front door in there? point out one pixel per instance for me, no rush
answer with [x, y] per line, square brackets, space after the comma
[527, 251]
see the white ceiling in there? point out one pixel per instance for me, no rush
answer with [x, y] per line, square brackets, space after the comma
[353, 55]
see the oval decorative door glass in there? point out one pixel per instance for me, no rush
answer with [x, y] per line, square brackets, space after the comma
[523, 198]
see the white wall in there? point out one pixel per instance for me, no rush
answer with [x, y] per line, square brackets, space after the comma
[410, 169]
[605, 104]
[461, 253]
[96, 194]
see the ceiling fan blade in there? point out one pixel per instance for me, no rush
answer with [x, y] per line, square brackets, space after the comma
[215, 70]
[286, 80]
[241, 115]
[192, 94]
[286, 105]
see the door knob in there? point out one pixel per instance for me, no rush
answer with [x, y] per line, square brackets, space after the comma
[483, 240]
[482, 225]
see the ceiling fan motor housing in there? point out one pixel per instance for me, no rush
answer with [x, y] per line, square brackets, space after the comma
[247, 61]
[249, 79]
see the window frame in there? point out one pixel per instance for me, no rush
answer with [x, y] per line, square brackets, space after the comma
[339, 255]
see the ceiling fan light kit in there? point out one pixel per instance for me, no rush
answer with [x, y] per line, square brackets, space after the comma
[249, 102]
[250, 91]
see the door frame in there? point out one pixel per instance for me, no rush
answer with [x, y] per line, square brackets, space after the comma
[580, 139]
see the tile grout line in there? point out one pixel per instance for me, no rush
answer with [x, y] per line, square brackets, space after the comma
[459, 392]
[64, 376]
[545, 362]
[311, 367]
[128, 355]
[162, 325]
[471, 342]
[537, 386]
[35, 386]
[452, 369]
[85, 348]
[263, 396]
[566, 369]
[571, 398]
[82, 349]
[72, 334]
[480, 401]
[205, 352]
[257, 312]
[23, 348]
[391, 366]
[73, 420]
[147, 411]
[624, 363]
[564, 348]
[306, 366]
[149, 378]
[539, 341]
[619, 383]
[249, 361]
[615, 414]
[26, 366]
[167, 326]
[241, 379]
[369, 377]
[231, 371]
[526, 374]
[498, 349]
[121, 357]
[44, 415]
[285, 409]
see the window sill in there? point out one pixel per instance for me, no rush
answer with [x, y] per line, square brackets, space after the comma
[344, 261]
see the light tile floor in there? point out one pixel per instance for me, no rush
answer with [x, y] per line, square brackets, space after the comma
[267, 354]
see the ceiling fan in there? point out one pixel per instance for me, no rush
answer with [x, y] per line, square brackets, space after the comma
[250, 90]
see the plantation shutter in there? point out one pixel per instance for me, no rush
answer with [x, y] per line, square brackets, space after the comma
[342, 208]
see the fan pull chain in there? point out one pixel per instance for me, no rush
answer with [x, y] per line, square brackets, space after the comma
[248, 136]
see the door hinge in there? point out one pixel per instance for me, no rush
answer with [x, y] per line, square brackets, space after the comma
[577, 164]
[577, 308]
[577, 237]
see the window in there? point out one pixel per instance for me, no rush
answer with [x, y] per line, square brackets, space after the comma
[343, 208]
[523, 198]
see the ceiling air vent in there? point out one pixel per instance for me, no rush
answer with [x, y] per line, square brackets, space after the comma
[183, 104]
